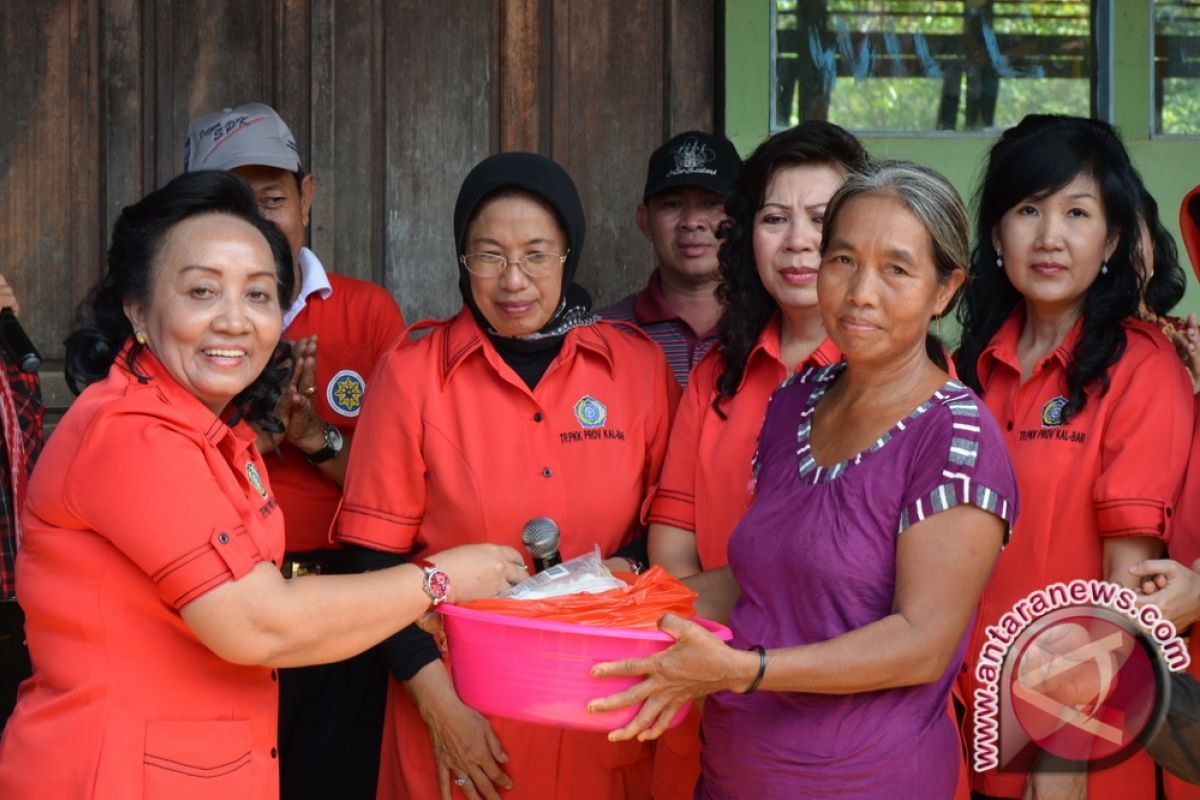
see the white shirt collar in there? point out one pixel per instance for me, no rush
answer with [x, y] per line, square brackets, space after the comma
[313, 280]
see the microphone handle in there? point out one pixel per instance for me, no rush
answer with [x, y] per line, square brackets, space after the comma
[17, 343]
[544, 564]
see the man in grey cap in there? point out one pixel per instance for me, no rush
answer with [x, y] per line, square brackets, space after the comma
[683, 203]
[330, 717]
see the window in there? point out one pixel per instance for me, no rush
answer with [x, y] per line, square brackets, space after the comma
[1177, 67]
[938, 65]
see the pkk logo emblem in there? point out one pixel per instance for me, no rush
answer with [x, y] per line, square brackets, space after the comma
[590, 412]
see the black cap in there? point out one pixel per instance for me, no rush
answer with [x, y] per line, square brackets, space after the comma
[693, 158]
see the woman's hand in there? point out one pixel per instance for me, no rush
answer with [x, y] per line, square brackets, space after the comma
[1172, 587]
[464, 745]
[480, 570]
[697, 664]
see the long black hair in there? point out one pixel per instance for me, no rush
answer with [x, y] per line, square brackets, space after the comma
[1167, 283]
[748, 307]
[137, 240]
[1035, 159]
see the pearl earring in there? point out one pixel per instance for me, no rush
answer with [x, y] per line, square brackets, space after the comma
[1104, 267]
[999, 262]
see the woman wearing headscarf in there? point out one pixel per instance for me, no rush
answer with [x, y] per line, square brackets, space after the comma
[523, 405]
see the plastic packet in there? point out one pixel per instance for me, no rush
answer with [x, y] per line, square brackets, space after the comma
[638, 603]
[585, 574]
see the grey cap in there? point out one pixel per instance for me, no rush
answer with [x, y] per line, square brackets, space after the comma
[251, 134]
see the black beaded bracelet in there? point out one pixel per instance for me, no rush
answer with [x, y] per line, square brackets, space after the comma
[762, 668]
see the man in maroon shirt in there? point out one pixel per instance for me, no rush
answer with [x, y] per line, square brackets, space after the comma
[683, 203]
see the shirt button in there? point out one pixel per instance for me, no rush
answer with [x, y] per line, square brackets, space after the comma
[1010, 425]
[274, 753]
[547, 472]
[223, 538]
[1168, 512]
[537, 417]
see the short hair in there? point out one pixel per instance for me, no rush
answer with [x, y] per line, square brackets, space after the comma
[747, 304]
[933, 201]
[138, 238]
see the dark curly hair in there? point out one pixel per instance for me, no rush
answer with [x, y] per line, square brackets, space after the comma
[1035, 159]
[1166, 285]
[747, 305]
[139, 234]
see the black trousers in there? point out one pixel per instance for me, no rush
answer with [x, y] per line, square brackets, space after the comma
[330, 729]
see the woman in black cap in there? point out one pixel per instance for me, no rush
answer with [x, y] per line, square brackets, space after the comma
[523, 405]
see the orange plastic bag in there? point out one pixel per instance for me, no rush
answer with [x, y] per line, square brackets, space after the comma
[638, 605]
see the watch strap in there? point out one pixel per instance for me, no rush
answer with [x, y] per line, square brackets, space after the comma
[327, 452]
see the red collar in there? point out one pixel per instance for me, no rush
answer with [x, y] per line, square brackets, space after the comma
[464, 337]
[149, 372]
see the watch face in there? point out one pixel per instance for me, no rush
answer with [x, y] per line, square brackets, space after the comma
[439, 584]
[333, 438]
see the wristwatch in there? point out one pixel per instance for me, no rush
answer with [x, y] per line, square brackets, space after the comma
[333, 445]
[437, 582]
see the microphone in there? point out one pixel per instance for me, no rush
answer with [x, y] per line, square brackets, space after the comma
[13, 337]
[540, 536]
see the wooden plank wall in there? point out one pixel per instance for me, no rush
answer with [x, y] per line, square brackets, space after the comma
[392, 101]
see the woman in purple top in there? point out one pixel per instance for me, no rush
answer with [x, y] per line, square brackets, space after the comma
[883, 494]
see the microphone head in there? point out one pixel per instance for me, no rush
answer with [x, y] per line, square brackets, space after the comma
[31, 363]
[540, 537]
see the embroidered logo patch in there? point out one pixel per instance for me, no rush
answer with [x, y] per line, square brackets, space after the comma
[590, 412]
[345, 393]
[255, 479]
[1052, 412]
[692, 158]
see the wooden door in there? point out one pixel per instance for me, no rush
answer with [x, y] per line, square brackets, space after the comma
[391, 101]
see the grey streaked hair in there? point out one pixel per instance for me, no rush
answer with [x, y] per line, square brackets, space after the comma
[927, 195]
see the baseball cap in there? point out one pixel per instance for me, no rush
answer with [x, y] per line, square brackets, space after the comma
[251, 133]
[693, 158]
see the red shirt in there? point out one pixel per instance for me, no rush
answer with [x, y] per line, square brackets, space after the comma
[454, 448]
[706, 476]
[354, 325]
[142, 501]
[1113, 470]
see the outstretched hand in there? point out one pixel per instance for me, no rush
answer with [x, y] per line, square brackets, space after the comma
[697, 664]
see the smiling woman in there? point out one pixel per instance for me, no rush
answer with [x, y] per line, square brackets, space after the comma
[1052, 342]
[837, 679]
[149, 567]
[214, 317]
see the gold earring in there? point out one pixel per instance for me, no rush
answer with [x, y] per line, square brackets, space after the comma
[140, 338]
[937, 327]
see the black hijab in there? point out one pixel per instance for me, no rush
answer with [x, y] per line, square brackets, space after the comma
[529, 356]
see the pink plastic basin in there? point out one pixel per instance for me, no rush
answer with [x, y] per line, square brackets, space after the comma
[540, 671]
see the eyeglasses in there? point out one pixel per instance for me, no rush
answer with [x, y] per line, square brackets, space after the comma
[489, 265]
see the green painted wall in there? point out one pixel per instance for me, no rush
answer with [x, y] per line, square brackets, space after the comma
[1171, 167]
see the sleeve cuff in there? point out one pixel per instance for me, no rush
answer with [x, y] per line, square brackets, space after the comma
[375, 529]
[672, 507]
[229, 554]
[1132, 517]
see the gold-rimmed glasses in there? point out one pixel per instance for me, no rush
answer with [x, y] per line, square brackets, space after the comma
[535, 265]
